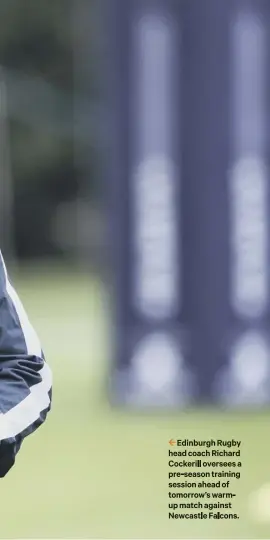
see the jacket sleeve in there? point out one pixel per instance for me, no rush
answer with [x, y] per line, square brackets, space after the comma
[25, 377]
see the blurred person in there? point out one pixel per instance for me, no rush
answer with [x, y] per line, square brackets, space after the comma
[25, 377]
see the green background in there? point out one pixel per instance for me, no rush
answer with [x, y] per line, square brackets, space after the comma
[94, 472]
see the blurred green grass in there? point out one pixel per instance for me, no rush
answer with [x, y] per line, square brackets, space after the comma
[94, 472]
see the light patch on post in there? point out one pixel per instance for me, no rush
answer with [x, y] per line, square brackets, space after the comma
[248, 188]
[155, 261]
[249, 238]
[250, 363]
[156, 366]
[154, 193]
[245, 379]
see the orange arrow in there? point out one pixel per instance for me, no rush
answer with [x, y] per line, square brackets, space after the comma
[172, 442]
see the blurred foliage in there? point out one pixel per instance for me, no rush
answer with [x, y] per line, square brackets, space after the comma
[37, 39]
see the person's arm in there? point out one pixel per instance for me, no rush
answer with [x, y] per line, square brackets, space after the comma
[25, 377]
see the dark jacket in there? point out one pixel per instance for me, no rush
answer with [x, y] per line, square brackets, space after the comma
[25, 377]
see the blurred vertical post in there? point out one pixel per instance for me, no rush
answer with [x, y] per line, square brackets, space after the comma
[246, 378]
[144, 178]
[6, 182]
[206, 122]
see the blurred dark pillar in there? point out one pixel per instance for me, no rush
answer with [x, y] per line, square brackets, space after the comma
[145, 178]
[205, 168]
[245, 376]
[225, 169]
